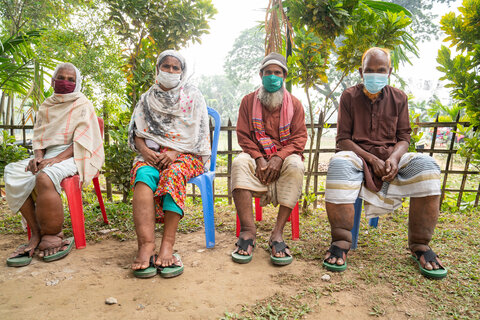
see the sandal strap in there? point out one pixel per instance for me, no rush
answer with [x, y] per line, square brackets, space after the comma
[429, 256]
[337, 252]
[243, 244]
[280, 247]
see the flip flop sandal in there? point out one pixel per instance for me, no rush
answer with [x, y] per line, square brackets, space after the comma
[337, 253]
[280, 247]
[21, 259]
[430, 256]
[148, 272]
[174, 270]
[242, 244]
[60, 254]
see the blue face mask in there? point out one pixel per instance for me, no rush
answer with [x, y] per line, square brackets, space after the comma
[374, 82]
[272, 83]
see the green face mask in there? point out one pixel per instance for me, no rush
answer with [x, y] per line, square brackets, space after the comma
[272, 83]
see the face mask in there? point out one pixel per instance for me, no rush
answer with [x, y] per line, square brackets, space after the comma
[63, 86]
[167, 79]
[272, 83]
[374, 82]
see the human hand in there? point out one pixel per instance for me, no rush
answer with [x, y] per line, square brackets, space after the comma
[166, 158]
[48, 162]
[261, 167]
[151, 157]
[33, 165]
[272, 172]
[378, 166]
[391, 169]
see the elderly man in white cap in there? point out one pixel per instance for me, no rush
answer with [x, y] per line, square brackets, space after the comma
[272, 133]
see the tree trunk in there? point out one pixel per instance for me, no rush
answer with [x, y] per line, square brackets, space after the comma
[2, 109]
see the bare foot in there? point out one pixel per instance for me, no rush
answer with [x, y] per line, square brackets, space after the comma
[51, 244]
[165, 255]
[142, 260]
[30, 247]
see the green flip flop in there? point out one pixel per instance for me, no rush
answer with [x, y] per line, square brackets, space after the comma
[430, 256]
[60, 254]
[242, 244]
[174, 270]
[337, 253]
[21, 259]
[148, 272]
[280, 246]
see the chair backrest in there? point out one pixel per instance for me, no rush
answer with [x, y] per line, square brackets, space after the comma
[216, 134]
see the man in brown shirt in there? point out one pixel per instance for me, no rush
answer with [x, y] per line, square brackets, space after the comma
[272, 133]
[373, 135]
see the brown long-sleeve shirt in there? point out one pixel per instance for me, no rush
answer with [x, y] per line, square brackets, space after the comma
[271, 121]
[374, 126]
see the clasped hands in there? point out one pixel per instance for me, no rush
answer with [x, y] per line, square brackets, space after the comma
[37, 164]
[387, 170]
[268, 171]
[159, 160]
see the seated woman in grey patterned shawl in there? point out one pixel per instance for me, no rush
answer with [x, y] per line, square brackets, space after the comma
[170, 132]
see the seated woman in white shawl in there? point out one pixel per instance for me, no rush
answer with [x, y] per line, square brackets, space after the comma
[66, 141]
[169, 130]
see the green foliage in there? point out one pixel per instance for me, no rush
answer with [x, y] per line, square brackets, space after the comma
[463, 31]
[149, 27]
[307, 65]
[242, 61]
[380, 29]
[9, 151]
[416, 135]
[119, 158]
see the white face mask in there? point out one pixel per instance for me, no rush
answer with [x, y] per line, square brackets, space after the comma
[167, 79]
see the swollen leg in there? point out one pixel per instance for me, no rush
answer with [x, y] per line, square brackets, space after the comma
[423, 217]
[165, 255]
[340, 217]
[49, 214]
[144, 219]
[243, 205]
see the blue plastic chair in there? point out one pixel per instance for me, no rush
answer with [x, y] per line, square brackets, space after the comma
[205, 183]
[356, 222]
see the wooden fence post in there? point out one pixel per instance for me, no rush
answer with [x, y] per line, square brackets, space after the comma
[449, 158]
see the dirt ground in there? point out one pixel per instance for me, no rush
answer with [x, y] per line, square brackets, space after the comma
[78, 285]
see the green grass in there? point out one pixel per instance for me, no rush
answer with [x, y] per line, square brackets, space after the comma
[381, 260]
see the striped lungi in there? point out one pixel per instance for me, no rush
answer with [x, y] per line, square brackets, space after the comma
[418, 176]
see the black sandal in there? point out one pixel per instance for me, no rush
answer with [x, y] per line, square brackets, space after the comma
[336, 252]
[243, 244]
[280, 247]
[430, 257]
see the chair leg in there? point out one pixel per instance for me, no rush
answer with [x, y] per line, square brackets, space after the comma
[295, 215]
[29, 232]
[258, 210]
[373, 222]
[356, 223]
[238, 226]
[100, 199]
[71, 185]
[206, 190]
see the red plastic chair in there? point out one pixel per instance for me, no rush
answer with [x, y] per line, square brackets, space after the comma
[294, 219]
[71, 185]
